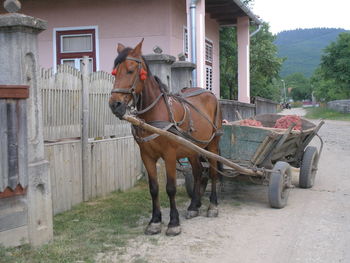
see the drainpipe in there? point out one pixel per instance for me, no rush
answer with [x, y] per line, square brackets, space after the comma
[256, 31]
[193, 40]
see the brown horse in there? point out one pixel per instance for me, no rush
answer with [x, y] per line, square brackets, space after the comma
[193, 114]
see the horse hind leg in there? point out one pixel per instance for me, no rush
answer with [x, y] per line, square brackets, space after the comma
[155, 225]
[193, 209]
[213, 210]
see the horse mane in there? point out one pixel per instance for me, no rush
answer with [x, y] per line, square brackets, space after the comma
[121, 56]
[162, 86]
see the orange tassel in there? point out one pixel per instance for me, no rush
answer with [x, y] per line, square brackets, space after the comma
[114, 72]
[143, 74]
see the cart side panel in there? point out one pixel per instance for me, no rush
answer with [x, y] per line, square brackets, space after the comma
[240, 143]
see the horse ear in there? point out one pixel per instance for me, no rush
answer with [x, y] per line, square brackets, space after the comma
[120, 47]
[137, 50]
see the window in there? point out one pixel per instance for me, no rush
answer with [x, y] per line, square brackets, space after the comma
[208, 77]
[208, 64]
[185, 44]
[72, 45]
[208, 52]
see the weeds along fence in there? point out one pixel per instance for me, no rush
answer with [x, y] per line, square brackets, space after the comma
[112, 160]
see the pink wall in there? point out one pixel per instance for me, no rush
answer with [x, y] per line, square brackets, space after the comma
[160, 22]
[117, 21]
[178, 22]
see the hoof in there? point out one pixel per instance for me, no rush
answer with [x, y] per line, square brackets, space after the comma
[191, 214]
[173, 231]
[153, 229]
[213, 211]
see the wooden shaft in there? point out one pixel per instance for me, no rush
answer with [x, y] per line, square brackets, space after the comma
[190, 145]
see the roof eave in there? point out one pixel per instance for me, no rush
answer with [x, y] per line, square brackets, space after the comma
[246, 10]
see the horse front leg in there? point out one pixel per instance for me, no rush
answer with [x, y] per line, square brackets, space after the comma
[170, 166]
[155, 225]
[193, 209]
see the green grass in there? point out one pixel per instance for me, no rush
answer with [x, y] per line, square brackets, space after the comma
[96, 226]
[325, 113]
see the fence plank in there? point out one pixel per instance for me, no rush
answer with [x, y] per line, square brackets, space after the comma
[3, 146]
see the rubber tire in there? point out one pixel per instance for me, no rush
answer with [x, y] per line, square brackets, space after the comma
[307, 169]
[278, 193]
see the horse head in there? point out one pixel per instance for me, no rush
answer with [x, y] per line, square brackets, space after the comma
[130, 73]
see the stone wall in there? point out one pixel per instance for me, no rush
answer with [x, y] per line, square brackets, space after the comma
[342, 106]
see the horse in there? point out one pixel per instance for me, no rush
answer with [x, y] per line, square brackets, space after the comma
[193, 114]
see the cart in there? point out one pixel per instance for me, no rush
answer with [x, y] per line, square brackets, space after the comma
[270, 154]
[263, 152]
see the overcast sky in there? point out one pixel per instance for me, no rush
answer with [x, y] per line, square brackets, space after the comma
[291, 14]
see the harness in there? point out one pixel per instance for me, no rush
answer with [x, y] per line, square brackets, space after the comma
[172, 125]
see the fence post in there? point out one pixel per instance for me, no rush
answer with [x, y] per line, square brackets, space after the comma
[85, 128]
[19, 66]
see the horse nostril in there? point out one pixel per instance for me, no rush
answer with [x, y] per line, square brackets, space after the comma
[115, 105]
[118, 108]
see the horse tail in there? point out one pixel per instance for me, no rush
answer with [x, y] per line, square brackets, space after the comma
[218, 119]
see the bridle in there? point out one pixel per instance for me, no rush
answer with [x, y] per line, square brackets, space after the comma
[141, 74]
[132, 91]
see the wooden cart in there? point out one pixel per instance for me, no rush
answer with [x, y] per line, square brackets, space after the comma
[270, 154]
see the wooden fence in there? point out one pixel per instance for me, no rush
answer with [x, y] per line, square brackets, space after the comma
[114, 164]
[112, 156]
[62, 104]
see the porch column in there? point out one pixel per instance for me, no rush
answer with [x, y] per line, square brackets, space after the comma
[200, 43]
[243, 59]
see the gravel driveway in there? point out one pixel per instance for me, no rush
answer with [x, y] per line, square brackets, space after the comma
[313, 227]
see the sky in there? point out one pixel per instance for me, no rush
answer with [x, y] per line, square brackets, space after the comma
[292, 14]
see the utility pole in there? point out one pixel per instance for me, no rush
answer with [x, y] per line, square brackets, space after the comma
[285, 92]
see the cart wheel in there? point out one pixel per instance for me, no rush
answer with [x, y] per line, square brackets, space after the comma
[189, 182]
[308, 167]
[279, 185]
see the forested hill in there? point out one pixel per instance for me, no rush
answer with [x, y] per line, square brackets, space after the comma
[303, 48]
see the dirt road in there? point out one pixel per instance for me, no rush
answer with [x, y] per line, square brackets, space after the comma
[313, 227]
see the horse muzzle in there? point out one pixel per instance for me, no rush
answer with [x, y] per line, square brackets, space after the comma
[118, 109]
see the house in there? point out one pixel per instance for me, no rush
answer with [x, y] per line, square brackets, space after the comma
[93, 28]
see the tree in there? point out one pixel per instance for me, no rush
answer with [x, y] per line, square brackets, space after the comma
[332, 79]
[228, 63]
[299, 86]
[264, 64]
